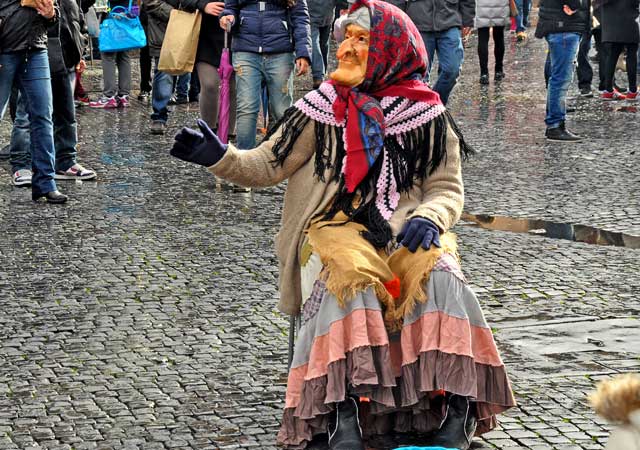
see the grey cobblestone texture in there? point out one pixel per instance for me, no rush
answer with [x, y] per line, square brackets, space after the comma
[142, 315]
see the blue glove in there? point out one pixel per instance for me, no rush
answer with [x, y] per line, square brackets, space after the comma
[419, 231]
[200, 148]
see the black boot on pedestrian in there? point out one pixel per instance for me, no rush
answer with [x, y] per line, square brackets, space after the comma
[458, 427]
[55, 197]
[499, 76]
[344, 427]
[484, 78]
[561, 134]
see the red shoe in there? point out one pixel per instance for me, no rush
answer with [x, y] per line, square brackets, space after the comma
[105, 103]
[609, 96]
[123, 101]
[632, 96]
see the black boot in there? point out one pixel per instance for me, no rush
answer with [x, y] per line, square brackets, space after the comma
[344, 427]
[54, 197]
[458, 427]
[561, 134]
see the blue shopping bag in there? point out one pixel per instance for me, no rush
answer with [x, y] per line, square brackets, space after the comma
[121, 31]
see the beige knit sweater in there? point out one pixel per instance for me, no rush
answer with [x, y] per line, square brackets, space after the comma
[439, 198]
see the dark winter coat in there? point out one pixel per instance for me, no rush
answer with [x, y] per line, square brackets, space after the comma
[274, 30]
[211, 41]
[618, 21]
[438, 15]
[23, 28]
[552, 19]
[158, 13]
[321, 12]
[70, 29]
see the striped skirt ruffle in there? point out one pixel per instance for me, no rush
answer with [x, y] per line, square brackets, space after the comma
[445, 344]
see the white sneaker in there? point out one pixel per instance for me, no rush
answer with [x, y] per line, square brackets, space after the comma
[75, 172]
[22, 177]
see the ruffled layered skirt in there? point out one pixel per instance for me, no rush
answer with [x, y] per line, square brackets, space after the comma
[442, 343]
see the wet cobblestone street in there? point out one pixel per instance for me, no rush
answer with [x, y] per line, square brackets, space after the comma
[141, 315]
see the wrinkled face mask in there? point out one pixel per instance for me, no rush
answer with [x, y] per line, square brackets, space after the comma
[353, 53]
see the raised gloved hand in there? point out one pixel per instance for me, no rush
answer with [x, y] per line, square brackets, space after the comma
[419, 231]
[200, 148]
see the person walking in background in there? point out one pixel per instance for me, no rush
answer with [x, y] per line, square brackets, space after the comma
[24, 61]
[80, 95]
[210, 48]
[159, 12]
[584, 71]
[265, 36]
[619, 33]
[145, 61]
[443, 24]
[492, 16]
[561, 23]
[181, 84]
[521, 30]
[63, 77]
[321, 14]
[115, 94]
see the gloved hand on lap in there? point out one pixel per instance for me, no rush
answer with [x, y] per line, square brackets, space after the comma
[419, 231]
[202, 148]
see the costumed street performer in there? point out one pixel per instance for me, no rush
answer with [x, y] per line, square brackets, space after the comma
[392, 337]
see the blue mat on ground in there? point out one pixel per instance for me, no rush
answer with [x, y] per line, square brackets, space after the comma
[424, 448]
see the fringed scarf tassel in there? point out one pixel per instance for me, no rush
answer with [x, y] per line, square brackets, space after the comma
[408, 165]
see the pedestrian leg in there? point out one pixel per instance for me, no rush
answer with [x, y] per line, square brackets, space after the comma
[584, 71]
[34, 83]
[450, 57]
[498, 52]
[483, 54]
[248, 68]
[279, 76]
[632, 67]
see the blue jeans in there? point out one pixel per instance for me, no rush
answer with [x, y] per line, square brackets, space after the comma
[30, 70]
[161, 93]
[276, 70]
[563, 48]
[320, 47]
[520, 24]
[448, 46]
[65, 135]
[182, 85]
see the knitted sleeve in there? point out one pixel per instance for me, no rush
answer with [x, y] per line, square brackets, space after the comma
[258, 167]
[443, 191]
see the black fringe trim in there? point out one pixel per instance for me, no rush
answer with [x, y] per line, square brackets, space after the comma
[408, 166]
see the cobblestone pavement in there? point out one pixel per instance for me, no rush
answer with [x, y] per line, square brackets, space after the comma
[141, 315]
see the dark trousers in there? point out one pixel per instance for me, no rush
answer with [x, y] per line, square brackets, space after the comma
[614, 49]
[145, 70]
[584, 71]
[483, 48]
[602, 56]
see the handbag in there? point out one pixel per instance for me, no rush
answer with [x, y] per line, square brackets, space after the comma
[513, 8]
[57, 65]
[93, 25]
[120, 32]
[180, 44]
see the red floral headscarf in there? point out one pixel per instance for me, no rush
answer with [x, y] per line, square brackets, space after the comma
[397, 64]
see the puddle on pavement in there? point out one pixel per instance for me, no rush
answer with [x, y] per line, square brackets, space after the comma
[554, 230]
[588, 346]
